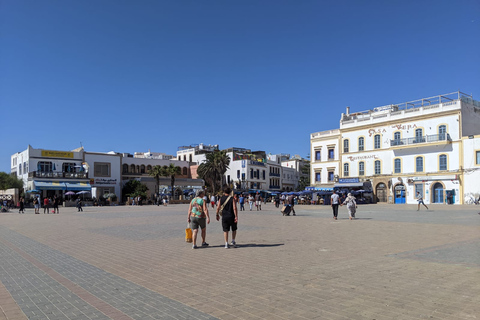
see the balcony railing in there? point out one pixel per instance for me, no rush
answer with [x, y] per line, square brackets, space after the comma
[274, 174]
[58, 175]
[420, 139]
[274, 187]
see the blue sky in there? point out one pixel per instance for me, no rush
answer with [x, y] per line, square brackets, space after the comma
[136, 75]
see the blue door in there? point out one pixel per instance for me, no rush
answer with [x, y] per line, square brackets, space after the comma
[438, 193]
[399, 194]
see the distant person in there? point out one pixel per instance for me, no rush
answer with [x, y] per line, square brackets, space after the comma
[335, 200]
[250, 201]
[351, 205]
[241, 200]
[198, 217]
[228, 208]
[291, 202]
[79, 205]
[36, 205]
[277, 201]
[56, 202]
[420, 201]
[46, 204]
[258, 201]
[212, 201]
[22, 206]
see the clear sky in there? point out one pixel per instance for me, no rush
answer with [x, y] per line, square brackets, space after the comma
[136, 75]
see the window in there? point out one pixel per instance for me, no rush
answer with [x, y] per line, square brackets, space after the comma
[398, 165]
[25, 170]
[101, 169]
[149, 168]
[361, 144]
[263, 174]
[419, 189]
[125, 168]
[331, 153]
[330, 176]
[345, 146]
[376, 140]
[419, 136]
[251, 173]
[442, 130]
[477, 157]
[418, 164]
[238, 174]
[44, 166]
[185, 171]
[318, 176]
[396, 139]
[361, 168]
[258, 174]
[378, 167]
[68, 167]
[318, 155]
[20, 169]
[396, 136]
[142, 168]
[442, 162]
[345, 169]
[132, 168]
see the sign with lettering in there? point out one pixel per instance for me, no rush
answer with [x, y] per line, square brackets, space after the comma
[404, 126]
[256, 163]
[57, 154]
[375, 131]
[348, 180]
[104, 181]
[373, 156]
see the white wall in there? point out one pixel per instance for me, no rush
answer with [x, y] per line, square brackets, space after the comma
[115, 179]
[472, 169]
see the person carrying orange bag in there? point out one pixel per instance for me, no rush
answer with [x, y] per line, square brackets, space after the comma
[198, 217]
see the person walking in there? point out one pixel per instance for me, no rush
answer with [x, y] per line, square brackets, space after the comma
[291, 201]
[241, 200]
[212, 201]
[250, 201]
[36, 205]
[258, 201]
[46, 205]
[227, 206]
[22, 206]
[56, 201]
[79, 205]
[277, 201]
[334, 200]
[198, 217]
[351, 205]
[420, 201]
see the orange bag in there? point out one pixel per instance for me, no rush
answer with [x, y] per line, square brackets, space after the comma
[188, 234]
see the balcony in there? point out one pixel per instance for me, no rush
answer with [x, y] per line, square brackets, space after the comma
[274, 187]
[58, 175]
[415, 141]
[274, 174]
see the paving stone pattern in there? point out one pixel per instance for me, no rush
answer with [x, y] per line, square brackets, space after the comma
[132, 263]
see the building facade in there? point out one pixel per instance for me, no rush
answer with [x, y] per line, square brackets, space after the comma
[416, 147]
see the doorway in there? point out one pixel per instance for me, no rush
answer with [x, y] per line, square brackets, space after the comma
[399, 194]
[437, 193]
[381, 192]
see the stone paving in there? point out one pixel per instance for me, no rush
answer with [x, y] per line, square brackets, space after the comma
[393, 262]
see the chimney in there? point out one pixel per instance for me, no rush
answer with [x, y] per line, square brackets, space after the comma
[348, 111]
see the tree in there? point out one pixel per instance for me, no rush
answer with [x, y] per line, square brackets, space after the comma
[8, 181]
[135, 188]
[156, 172]
[213, 169]
[171, 171]
[304, 181]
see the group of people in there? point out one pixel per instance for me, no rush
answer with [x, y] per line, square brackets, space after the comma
[198, 216]
[47, 204]
[349, 201]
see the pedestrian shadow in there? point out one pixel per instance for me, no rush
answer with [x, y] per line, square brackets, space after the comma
[250, 245]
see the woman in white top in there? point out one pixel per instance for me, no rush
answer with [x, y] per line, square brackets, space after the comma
[250, 201]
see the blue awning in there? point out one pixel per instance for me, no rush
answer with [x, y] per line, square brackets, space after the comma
[42, 185]
[80, 186]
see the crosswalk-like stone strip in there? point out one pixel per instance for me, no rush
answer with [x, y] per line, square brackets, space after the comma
[134, 300]
[9, 309]
[37, 294]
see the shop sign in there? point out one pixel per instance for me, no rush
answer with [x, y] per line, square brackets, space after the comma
[404, 126]
[434, 178]
[373, 156]
[103, 181]
[374, 131]
[348, 180]
[57, 154]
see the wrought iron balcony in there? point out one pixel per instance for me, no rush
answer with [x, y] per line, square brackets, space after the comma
[445, 137]
[274, 174]
[274, 187]
[58, 175]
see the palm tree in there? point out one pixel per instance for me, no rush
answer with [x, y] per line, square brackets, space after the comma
[156, 172]
[214, 167]
[171, 171]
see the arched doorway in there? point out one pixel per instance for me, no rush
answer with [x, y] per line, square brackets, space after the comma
[381, 192]
[437, 193]
[399, 193]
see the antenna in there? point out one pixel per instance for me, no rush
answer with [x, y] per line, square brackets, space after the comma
[81, 145]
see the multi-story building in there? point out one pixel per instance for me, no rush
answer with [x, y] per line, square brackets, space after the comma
[418, 146]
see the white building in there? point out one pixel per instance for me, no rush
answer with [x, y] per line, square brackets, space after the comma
[195, 153]
[418, 146]
[104, 173]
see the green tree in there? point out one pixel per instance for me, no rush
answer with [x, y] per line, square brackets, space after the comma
[156, 172]
[8, 181]
[134, 188]
[304, 181]
[171, 171]
[213, 169]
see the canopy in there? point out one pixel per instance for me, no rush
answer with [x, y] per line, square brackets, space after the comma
[349, 185]
[78, 186]
[43, 185]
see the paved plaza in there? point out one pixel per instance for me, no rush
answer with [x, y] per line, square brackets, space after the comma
[393, 262]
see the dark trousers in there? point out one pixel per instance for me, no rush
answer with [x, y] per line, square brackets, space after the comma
[335, 210]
